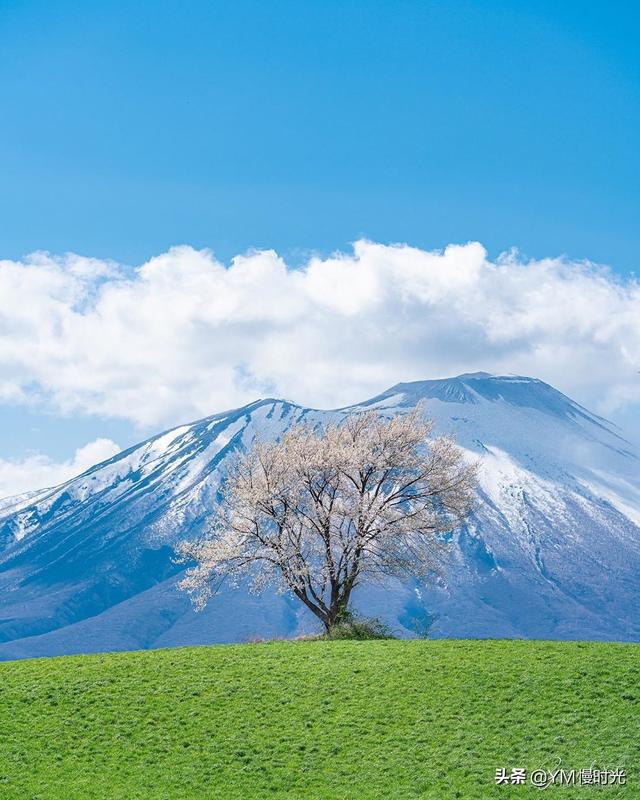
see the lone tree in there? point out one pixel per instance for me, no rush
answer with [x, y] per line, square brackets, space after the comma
[324, 510]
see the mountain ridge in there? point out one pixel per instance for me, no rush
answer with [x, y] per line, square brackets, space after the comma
[554, 551]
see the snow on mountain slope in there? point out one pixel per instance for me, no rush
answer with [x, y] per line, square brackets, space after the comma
[552, 551]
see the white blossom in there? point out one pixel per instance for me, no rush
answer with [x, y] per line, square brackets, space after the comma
[322, 511]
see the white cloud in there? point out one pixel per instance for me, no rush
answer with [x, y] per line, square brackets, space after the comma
[184, 336]
[37, 471]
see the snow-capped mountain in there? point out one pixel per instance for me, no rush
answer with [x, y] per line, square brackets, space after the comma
[553, 550]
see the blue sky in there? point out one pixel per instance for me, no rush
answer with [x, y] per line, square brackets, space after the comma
[129, 128]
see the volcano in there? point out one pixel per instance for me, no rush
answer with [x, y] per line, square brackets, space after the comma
[552, 551]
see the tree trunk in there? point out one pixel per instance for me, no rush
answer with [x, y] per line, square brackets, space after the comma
[322, 616]
[338, 610]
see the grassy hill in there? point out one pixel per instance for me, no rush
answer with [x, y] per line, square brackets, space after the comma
[320, 720]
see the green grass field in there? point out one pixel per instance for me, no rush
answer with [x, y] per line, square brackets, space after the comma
[352, 720]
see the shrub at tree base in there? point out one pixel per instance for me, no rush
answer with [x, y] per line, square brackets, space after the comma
[359, 628]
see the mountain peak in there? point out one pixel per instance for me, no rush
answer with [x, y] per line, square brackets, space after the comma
[91, 564]
[473, 388]
[473, 376]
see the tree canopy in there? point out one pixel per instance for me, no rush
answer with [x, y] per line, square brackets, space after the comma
[325, 509]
